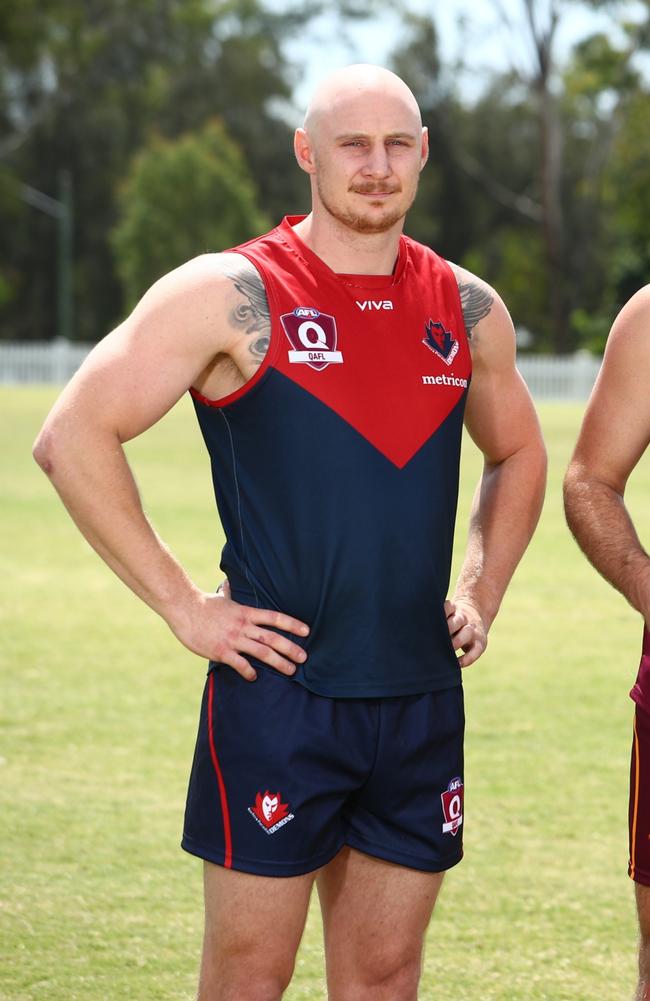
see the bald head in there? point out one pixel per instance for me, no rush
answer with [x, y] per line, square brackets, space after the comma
[363, 146]
[361, 86]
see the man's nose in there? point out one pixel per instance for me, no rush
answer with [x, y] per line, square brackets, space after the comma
[377, 163]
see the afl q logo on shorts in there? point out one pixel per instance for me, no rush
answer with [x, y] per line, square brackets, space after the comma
[312, 336]
[452, 806]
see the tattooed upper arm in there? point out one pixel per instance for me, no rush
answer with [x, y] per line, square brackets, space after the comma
[251, 315]
[476, 300]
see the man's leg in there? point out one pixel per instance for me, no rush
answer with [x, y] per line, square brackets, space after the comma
[643, 908]
[253, 926]
[375, 915]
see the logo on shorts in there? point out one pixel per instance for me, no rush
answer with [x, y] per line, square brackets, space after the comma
[270, 812]
[452, 806]
[313, 337]
[440, 341]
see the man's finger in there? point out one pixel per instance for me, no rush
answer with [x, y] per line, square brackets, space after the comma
[456, 622]
[278, 643]
[464, 637]
[266, 617]
[266, 655]
[240, 665]
[471, 655]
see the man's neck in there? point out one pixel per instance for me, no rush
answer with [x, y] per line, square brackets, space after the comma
[346, 251]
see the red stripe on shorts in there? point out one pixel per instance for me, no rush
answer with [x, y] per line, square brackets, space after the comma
[634, 799]
[227, 861]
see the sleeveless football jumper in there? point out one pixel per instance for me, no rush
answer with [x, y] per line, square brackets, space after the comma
[336, 466]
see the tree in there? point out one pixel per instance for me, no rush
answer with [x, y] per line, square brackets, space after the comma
[523, 169]
[83, 83]
[181, 198]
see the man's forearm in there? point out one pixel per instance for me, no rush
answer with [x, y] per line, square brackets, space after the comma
[97, 487]
[506, 508]
[601, 524]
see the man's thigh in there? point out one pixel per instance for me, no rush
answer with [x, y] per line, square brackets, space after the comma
[253, 926]
[375, 916]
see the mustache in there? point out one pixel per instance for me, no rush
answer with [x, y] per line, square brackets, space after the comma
[375, 189]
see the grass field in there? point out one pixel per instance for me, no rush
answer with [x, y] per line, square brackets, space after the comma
[99, 708]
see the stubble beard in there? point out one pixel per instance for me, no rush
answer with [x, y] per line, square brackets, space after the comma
[361, 223]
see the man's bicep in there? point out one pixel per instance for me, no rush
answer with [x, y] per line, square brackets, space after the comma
[140, 370]
[616, 427]
[500, 416]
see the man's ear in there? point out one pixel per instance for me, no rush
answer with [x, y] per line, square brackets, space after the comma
[425, 147]
[304, 150]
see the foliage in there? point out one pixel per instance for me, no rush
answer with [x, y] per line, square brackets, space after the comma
[82, 86]
[183, 197]
[541, 182]
[540, 178]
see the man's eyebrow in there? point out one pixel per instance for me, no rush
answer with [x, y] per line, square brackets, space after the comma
[366, 135]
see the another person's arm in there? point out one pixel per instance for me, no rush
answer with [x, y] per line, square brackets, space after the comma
[614, 435]
[502, 421]
[175, 336]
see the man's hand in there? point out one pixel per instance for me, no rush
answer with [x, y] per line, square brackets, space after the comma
[221, 629]
[467, 630]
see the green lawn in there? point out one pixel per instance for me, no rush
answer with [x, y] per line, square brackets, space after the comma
[99, 708]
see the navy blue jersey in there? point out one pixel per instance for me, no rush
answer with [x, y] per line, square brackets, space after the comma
[336, 466]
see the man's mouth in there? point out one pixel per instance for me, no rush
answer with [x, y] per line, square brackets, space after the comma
[375, 192]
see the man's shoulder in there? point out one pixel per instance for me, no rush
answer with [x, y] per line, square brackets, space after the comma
[629, 338]
[477, 297]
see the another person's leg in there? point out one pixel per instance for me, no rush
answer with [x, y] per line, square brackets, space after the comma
[643, 908]
[639, 830]
[253, 926]
[375, 915]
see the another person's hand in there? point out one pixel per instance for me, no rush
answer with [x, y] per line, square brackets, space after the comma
[220, 629]
[467, 630]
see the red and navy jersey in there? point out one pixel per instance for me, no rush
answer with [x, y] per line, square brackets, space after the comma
[336, 466]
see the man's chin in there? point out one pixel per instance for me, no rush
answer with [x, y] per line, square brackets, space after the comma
[372, 222]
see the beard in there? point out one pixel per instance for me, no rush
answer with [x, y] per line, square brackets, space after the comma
[358, 221]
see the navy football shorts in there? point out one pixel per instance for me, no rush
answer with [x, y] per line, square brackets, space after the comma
[282, 778]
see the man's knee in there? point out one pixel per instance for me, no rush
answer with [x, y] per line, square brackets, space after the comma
[251, 985]
[393, 977]
[245, 974]
[252, 988]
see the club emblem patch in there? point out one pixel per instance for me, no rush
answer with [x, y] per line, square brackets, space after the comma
[452, 806]
[270, 812]
[313, 338]
[441, 341]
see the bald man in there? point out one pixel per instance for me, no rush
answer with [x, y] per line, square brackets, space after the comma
[329, 362]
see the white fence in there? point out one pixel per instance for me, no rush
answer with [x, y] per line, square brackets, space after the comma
[559, 377]
[40, 361]
[549, 377]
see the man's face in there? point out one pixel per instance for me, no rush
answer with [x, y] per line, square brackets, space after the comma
[368, 154]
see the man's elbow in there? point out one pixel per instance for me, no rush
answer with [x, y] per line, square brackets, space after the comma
[575, 488]
[44, 449]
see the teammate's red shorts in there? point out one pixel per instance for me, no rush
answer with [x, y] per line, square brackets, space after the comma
[639, 813]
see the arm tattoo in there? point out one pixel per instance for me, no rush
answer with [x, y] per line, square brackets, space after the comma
[476, 301]
[252, 315]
